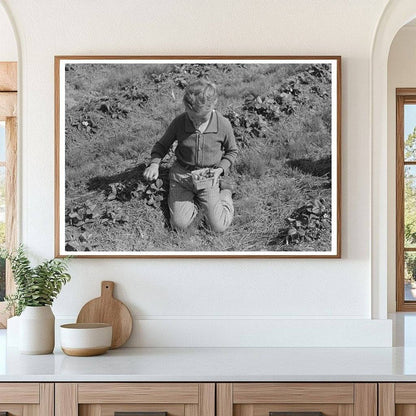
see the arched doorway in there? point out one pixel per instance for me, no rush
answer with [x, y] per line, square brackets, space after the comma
[396, 14]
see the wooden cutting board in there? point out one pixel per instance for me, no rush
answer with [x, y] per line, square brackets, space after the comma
[107, 309]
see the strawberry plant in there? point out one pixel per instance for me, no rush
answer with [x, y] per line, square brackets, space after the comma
[318, 91]
[84, 117]
[123, 191]
[134, 93]
[181, 74]
[307, 223]
[266, 107]
[320, 71]
[112, 215]
[78, 216]
[84, 122]
[114, 108]
[159, 78]
[78, 240]
[194, 70]
[155, 193]
[246, 126]
[290, 88]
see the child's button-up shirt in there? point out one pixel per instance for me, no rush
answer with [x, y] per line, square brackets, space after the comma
[215, 147]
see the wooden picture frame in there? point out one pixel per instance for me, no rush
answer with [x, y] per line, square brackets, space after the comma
[285, 112]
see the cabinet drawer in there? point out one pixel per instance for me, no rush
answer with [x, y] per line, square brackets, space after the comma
[143, 409]
[397, 399]
[22, 399]
[19, 393]
[296, 399]
[108, 399]
[138, 393]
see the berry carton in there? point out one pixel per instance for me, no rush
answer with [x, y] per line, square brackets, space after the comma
[203, 178]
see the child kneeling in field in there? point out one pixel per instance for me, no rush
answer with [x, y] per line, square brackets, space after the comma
[205, 140]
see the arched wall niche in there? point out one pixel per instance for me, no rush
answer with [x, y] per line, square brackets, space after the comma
[396, 14]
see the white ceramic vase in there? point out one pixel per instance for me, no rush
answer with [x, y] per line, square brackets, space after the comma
[13, 331]
[37, 330]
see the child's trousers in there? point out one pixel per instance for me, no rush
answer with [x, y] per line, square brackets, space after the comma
[184, 200]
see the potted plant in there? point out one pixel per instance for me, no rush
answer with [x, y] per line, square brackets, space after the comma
[36, 289]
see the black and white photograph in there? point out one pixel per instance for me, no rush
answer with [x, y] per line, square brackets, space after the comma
[197, 156]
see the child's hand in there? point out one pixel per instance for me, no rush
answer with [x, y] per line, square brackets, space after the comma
[217, 173]
[151, 173]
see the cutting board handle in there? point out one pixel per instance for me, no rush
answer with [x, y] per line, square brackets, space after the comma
[107, 289]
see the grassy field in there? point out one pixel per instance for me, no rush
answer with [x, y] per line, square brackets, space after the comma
[281, 116]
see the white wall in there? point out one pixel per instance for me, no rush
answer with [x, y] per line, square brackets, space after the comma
[179, 302]
[401, 74]
[8, 47]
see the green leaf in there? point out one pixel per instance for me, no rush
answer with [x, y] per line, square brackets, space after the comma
[35, 286]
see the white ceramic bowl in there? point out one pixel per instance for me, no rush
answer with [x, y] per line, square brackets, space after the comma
[84, 340]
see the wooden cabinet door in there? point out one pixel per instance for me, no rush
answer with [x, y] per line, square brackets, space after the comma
[297, 399]
[27, 399]
[153, 399]
[397, 399]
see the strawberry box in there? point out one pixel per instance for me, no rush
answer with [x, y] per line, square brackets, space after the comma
[203, 178]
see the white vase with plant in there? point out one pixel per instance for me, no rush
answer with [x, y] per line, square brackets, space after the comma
[36, 289]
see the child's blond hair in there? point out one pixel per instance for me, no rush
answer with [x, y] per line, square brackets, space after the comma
[200, 96]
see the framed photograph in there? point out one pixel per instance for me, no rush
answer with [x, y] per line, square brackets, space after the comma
[198, 156]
